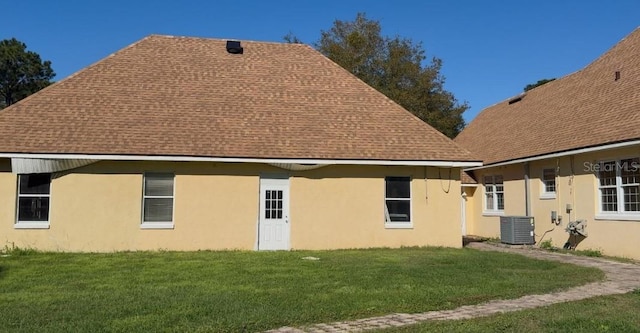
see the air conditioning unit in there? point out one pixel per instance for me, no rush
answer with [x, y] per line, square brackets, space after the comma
[517, 230]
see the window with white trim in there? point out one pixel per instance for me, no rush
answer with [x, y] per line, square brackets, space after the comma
[494, 193]
[619, 185]
[548, 183]
[34, 194]
[397, 208]
[157, 200]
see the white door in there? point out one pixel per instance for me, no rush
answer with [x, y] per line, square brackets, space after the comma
[274, 214]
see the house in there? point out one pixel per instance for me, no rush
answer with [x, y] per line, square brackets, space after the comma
[191, 143]
[563, 152]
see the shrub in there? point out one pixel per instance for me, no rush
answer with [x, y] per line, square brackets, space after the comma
[547, 245]
[14, 250]
[590, 253]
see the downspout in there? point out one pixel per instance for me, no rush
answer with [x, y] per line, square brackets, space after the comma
[527, 197]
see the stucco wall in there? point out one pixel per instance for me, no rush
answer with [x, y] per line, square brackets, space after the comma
[98, 208]
[482, 223]
[470, 209]
[577, 185]
[8, 185]
[612, 237]
[542, 207]
[343, 207]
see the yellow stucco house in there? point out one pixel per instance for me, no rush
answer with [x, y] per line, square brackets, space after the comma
[190, 143]
[566, 153]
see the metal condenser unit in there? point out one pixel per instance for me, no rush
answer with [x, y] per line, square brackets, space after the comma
[517, 230]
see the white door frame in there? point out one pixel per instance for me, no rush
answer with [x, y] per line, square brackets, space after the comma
[274, 233]
[463, 212]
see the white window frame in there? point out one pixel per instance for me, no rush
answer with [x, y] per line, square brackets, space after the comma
[620, 213]
[544, 193]
[158, 224]
[492, 188]
[31, 224]
[387, 219]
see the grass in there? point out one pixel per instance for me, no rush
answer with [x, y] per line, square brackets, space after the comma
[617, 313]
[547, 245]
[252, 291]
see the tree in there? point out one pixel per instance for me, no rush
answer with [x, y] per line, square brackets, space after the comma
[22, 72]
[292, 39]
[397, 68]
[539, 83]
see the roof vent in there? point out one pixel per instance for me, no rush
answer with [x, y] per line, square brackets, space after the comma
[617, 76]
[517, 99]
[234, 47]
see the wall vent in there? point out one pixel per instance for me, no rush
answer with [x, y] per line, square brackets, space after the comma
[234, 47]
[516, 99]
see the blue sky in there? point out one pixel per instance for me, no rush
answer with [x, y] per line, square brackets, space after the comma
[490, 49]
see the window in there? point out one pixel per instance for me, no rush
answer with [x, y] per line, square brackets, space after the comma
[34, 192]
[494, 194]
[548, 184]
[157, 201]
[619, 185]
[397, 199]
[273, 204]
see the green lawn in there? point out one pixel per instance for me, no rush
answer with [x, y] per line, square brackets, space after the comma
[619, 313]
[238, 291]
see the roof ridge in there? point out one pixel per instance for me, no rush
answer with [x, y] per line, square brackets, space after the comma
[612, 48]
[79, 72]
[187, 96]
[569, 106]
[92, 65]
[579, 70]
[223, 39]
[394, 103]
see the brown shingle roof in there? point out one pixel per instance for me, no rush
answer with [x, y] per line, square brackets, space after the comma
[466, 177]
[182, 96]
[584, 109]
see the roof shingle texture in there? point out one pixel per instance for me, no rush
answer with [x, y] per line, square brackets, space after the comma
[584, 109]
[180, 96]
[466, 177]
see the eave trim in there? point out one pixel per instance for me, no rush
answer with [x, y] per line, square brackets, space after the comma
[449, 164]
[559, 154]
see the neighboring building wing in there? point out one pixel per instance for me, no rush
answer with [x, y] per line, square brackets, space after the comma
[595, 106]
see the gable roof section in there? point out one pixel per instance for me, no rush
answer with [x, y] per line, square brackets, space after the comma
[587, 108]
[180, 96]
[467, 178]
